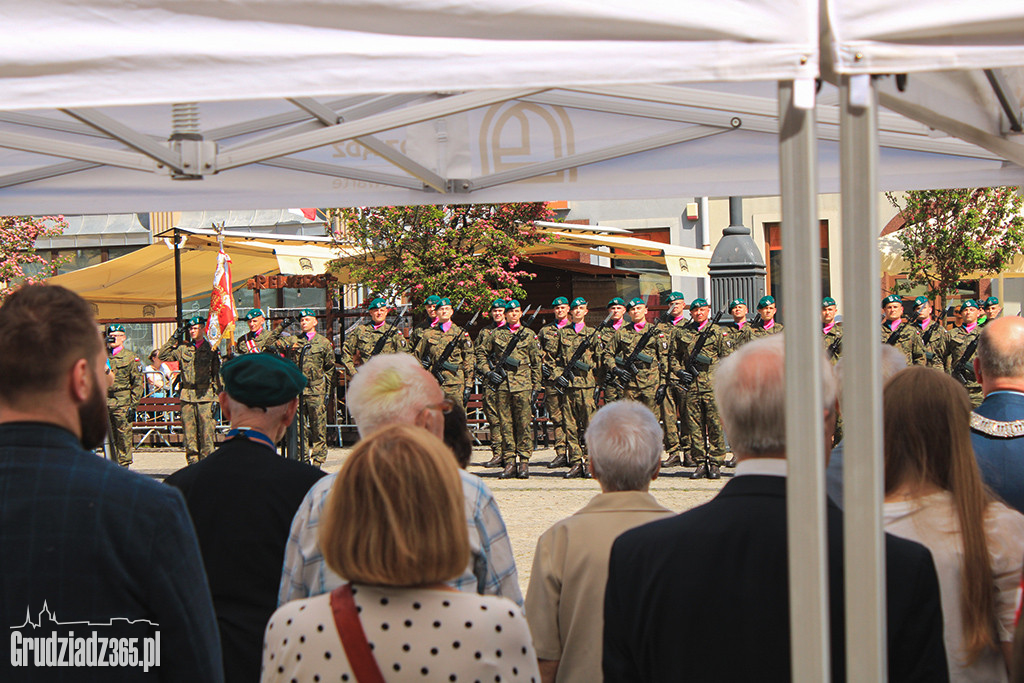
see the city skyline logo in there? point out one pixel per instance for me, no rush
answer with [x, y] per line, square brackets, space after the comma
[52, 619]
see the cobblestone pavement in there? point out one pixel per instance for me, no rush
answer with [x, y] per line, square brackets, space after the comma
[529, 506]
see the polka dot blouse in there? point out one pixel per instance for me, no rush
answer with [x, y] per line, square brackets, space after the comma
[416, 634]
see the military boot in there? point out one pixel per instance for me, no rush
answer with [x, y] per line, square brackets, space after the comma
[510, 471]
[524, 470]
[700, 472]
[495, 461]
[576, 471]
[561, 460]
[673, 461]
[714, 471]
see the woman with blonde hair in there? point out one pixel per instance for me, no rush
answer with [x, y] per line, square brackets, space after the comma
[934, 495]
[394, 527]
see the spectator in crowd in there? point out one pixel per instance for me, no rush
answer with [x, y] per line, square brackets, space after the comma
[242, 499]
[934, 495]
[80, 537]
[997, 425]
[158, 376]
[457, 437]
[719, 573]
[394, 525]
[570, 566]
[388, 389]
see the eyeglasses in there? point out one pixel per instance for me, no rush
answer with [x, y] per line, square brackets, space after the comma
[446, 406]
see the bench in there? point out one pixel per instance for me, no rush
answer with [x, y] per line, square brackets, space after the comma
[159, 417]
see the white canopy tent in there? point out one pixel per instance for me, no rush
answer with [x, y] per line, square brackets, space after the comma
[463, 101]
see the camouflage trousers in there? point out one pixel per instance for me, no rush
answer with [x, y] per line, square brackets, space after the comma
[579, 406]
[645, 396]
[704, 427]
[611, 394]
[555, 402]
[197, 423]
[120, 433]
[453, 392]
[490, 405]
[314, 430]
[670, 420]
[516, 417]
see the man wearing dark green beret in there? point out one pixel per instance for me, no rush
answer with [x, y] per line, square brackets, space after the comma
[733, 330]
[676, 441]
[831, 330]
[694, 370]
[648, 346]
[990, 310]
[313, 353]
[455, 374]
[579, 394]
[616, 307]
[430, 310]
[962, 355]
[257, 338]
[199, 367]
[934, 337]
[124, 393]
[896, 332]
[489, 397]
[553, 401]
[364, 341]
[246, 493]
[766, 324]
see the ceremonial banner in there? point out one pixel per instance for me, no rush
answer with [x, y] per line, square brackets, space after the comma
[221, 322]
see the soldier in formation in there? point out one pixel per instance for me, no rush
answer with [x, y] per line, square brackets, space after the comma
[831, 330]
[616, 308]
[733, 331]
[896, 332]
[677, 447]
[369, 339]
[126, 389]
[934, 337]
[419, 328]
[766, 325]
[447, 351]
[489, 393]
[258, 337]
[637, 357]
[578, 357]
[963, 343]
[991, 309]
[199, 366]
[554, 401]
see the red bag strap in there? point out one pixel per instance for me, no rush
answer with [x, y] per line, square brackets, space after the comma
[353, 638]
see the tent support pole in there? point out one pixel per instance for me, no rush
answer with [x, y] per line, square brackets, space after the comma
[862, 462]
[178, 308]
[801, 291]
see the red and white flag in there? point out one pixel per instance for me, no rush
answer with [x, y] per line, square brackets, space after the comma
[221, 321]
[309, 214]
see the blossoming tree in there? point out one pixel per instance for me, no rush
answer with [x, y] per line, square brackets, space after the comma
[19, 261]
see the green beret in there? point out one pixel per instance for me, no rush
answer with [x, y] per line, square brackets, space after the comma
[197, 320]
[444, 301]
[736, 302]
[617, 301]
[261, 380]
[991, 301]
[920, 301]
[560, 301]
[512, 303]
[307, 313]
[377, 303]
[671, 297]
[828, 301]
[115, 327]
[970, 303]
[578, 301]
[433, 300]
[498, 303]
[891, 299]
[636, 301]
[254, 313]
[765, 301]
[698, 303]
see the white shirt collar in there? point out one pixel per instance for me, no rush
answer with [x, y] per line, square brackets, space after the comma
[773, 467]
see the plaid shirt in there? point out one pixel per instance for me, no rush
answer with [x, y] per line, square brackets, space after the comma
[306, 574]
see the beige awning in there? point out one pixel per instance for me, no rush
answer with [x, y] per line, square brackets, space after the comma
[681, 261]
[141, 284]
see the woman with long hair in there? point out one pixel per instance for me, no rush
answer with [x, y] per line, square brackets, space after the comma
[934, 495]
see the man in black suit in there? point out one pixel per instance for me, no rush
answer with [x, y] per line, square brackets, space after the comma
[714, 580]
[242, 499]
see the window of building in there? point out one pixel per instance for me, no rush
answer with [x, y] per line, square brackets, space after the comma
[773, 242]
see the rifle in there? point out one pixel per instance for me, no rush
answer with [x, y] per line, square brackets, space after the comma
[564, 381]
[625, 370]
[498, 374]
[357, 323]
[689, 372]
[379, 346]
[961, 371]
[833, 348]
[891, 341]
[442, 363]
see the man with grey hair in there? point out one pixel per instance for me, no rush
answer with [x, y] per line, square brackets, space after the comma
[395, 389]
[566, 593]
[665, 578]
[997, 425]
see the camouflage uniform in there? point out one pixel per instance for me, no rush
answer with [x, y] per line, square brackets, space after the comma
[317, 364]
[833, 336]
[960, 339]
[611, 393]
[489, 394]
[254, 343]
[457, 374]
[936, 349]
[123, 397]
[674, 442]
[752, 331]
[652, 373]
[732, 336]
[553, 401]
[416, 333]
[579, 398]
[906, 340]
[363, 339]
[707, 443]
[514, 409]
[200, 384]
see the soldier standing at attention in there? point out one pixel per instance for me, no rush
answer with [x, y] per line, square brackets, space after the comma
[896, 332]
[455, 374]
[313, 353]
[553, 401]
[123, 394]
[361, 342]
[960, 340]
[430, 321]
[766, 309]
[199, 366]
[257, 338]
[650, 347]
[707, 442]
[832, 331]
[579, 396]
[516, 390]
[992, 309]
[732, 332]
[934, 337]
[489, 393]
[617, 307]
[678, 449]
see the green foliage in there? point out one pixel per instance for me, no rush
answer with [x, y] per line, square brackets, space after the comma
[950, 235]
[460, 251]
[18, 235]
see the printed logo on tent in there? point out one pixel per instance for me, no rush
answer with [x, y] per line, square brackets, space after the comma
[517, 134]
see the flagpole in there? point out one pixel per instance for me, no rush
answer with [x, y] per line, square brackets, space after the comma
[179, 309]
